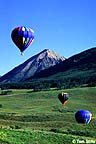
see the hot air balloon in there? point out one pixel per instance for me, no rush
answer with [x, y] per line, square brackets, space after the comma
[63, 97]
[22, 37]
[83, 116]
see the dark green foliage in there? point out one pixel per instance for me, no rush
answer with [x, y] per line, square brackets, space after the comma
[69, 79]
[74, 132]
[15, 127]
[5, 92]
[1, 105]
[81, 133]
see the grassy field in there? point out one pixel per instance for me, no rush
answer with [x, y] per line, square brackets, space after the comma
[28, 117]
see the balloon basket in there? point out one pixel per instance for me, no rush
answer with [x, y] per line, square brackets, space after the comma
[22, 54]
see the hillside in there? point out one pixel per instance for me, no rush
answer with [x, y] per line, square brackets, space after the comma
[85, 60]
[78, 70]
[33, 65]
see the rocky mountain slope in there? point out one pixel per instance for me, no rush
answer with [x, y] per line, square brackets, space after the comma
[33, 65]
[83, 61]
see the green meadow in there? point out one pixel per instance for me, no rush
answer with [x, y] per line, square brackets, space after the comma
[28, 117]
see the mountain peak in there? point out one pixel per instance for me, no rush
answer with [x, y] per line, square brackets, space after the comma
[51, 54]
[35, 64]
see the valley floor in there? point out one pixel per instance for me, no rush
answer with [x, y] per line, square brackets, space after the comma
[28, 117]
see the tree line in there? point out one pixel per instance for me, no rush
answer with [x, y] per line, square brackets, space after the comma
[62, 82]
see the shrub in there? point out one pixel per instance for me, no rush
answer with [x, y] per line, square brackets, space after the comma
[0, 105]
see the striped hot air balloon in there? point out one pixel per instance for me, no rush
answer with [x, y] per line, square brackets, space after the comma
[22, 37]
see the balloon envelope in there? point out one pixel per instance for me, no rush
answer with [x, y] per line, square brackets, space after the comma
[83, 116]
[63, 97]
[22, 37]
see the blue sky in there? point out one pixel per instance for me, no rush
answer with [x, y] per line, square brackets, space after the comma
[64, 26]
